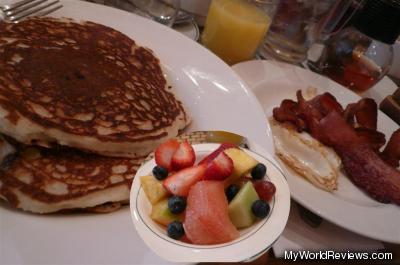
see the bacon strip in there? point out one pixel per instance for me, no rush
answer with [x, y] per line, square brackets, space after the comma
[391, 154]
[288, 111]
[365, 168]
[349, 114]
[352, 134]
[326, 103]
[365, 111]
[375, 139]
[305, 115]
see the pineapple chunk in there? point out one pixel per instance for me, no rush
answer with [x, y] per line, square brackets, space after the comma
[153, 189]
[242, 162]
[161, 214]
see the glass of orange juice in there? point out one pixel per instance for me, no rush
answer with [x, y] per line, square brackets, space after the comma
[235, 28]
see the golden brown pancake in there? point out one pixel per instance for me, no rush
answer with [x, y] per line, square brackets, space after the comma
[43, 180]
[83, 85]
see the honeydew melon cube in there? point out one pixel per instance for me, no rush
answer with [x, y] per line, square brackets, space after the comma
[240, 207]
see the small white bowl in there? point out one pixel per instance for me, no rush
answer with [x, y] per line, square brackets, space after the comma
[252, 242]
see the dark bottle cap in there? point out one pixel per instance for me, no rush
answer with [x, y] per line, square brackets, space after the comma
[380, 20]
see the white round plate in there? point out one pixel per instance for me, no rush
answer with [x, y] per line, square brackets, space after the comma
[252, 241]
[347, 207]
[216, 98]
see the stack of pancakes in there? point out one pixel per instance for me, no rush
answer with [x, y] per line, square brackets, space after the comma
[81, 105]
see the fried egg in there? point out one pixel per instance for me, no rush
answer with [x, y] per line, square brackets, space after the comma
[306, 156]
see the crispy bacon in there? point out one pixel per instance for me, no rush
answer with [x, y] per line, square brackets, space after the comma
[352, 134]
[349, 114]
[326, 103]
[363, 117]
[288, 111]
[372, 137]
[391, 153]
[304, 113]
[365, 111]
[365, 168]
[310, 114]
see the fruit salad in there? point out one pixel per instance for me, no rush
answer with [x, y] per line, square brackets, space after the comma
[208, 202]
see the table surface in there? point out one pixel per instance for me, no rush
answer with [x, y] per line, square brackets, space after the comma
[270, 259]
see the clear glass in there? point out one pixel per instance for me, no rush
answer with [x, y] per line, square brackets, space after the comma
[235, 28]
[292, 30]
[340, 15]
[162, 11]
[355, 60]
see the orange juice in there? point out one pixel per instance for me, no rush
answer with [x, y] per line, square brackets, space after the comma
[234, 29]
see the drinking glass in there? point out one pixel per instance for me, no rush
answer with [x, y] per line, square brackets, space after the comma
[341, 15]
[162, 11]
[292, 30]
[235, 28]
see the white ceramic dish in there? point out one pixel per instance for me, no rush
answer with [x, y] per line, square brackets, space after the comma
[347, 207]
[211, 91]
[252, 241]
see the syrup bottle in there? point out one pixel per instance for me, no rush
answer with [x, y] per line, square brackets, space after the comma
[361, 55]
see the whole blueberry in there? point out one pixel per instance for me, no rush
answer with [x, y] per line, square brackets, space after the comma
[160, 173]
[258, 172]
[260, 209]
[231, 192]
[175, 230]
[176, 204]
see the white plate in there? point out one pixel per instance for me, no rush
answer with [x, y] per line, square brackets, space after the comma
[217, 99]
[348, 207]
[252, 241]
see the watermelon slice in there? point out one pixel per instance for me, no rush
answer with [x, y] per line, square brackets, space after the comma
[207, 219]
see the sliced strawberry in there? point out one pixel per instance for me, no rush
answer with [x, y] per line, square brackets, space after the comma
[220, 168]
[217, 151]
[183, 157]
[180, 182]
[164, 153]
